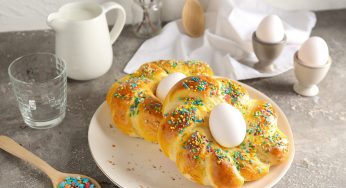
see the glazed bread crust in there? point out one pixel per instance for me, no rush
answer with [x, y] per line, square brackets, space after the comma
[181, 123]
[184, 135]
[135, 109]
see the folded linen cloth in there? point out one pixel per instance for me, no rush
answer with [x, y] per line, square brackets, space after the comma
[226, 44]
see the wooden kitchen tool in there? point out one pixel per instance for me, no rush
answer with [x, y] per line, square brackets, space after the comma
[193, 18]
[56, 176]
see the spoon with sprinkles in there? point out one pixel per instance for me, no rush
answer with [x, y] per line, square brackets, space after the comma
[59, 179]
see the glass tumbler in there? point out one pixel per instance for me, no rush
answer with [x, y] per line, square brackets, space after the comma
[146, 17]
[39, 84]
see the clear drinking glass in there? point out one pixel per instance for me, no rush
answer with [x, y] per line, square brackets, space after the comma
[39, 84]
[146, 17]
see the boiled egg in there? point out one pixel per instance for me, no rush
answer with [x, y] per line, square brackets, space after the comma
[227, 125]
[167, 83]
[314, 52]
[271, 29]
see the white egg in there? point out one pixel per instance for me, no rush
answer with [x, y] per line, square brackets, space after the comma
[227, 125]
[314, 52]
[270, 30]
[167, 83]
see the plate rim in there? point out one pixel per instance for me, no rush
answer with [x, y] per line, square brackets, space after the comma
[290, 136]
[104, 103]
[247, 87]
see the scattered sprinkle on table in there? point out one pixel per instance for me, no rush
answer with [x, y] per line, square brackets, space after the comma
[78, 182]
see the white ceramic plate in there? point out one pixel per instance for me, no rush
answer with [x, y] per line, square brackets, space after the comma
[134, 163]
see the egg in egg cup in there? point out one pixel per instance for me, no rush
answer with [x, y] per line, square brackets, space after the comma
[266, 53]
[308, 77]
[268, 42]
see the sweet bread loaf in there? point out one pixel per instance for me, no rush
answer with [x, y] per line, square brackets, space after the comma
[135, 109]
[180, 123]
[184, 135]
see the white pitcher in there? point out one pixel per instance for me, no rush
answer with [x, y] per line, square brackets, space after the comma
[83, 39]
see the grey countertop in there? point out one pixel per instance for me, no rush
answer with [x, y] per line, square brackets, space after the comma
[318, 123]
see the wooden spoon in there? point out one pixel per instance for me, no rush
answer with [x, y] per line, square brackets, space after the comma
[193, 18]
[56, 176]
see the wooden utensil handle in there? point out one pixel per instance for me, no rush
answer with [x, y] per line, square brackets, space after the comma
[15, 149]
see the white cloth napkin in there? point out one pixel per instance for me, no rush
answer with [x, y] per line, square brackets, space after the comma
[226, 44]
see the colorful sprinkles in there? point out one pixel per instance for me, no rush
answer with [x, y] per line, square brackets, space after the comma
[195, 144]
[263, 118]
[76, 182]
[129, 88]
[195, 84]
[185, 114]
[182, 117]
[134, 107]
[188, 113]
[233, 93]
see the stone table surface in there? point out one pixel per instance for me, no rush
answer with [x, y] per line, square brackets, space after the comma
[318, 123]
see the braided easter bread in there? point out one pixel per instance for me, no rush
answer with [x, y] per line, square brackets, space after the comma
[135, 109]
[184, 135]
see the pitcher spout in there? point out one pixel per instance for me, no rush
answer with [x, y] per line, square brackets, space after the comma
[54, 21]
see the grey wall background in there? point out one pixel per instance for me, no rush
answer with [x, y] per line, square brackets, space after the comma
[18, 15]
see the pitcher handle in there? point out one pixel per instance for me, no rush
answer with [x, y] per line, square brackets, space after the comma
[119, 21]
